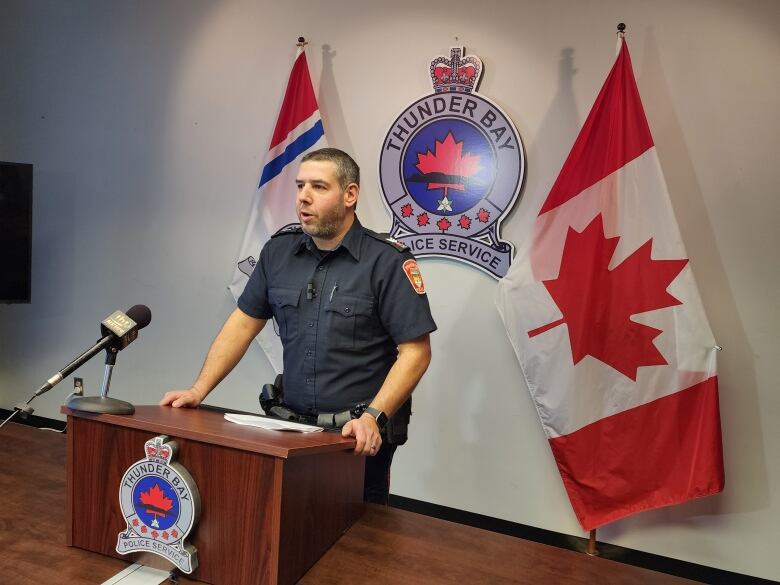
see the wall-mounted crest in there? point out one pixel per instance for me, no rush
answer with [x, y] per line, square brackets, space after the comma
[451, 168]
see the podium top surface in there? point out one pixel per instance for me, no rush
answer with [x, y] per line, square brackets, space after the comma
[209, 426]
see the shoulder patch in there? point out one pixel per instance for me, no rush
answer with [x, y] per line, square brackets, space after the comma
[389, 240]
[413, 274]
[290, 228]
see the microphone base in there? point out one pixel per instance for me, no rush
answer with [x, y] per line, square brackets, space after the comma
[100, 405]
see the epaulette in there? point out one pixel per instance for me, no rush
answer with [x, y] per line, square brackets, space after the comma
[291, 228]
[389, 240]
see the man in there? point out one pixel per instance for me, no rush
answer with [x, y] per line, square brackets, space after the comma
[352, 314]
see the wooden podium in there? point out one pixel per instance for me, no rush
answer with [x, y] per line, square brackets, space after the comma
[272, 503]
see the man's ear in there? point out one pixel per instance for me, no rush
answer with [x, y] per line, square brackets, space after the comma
[351, 195]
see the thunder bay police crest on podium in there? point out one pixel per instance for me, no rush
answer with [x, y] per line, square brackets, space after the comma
[451, 168]
[161, 505]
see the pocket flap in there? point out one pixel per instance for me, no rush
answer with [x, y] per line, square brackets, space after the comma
[284, 297]
[349, 306]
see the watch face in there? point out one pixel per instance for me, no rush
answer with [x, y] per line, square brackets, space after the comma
[379, 416]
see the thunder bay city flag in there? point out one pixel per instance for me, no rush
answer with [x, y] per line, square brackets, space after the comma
[604, 315]
[298, 130]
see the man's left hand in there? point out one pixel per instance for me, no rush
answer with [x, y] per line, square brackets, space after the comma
[366, 433]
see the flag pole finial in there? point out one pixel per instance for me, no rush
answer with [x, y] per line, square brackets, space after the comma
[621, 30]
[301, 42]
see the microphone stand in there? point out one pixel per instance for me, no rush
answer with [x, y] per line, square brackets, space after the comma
[102, 404]
[118, 331]
[96, 404]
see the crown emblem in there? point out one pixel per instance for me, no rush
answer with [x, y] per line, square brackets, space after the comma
[158, 451]
[456, 74]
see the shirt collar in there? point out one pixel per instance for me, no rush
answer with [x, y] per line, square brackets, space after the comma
[351, 241]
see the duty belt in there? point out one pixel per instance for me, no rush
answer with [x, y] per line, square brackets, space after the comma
[331, 420]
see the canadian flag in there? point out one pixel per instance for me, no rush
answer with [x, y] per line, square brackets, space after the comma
[605, 317]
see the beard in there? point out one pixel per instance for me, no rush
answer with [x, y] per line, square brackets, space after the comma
[328, 224]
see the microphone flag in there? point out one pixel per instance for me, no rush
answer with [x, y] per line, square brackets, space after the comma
[607, 323]
[298, 130]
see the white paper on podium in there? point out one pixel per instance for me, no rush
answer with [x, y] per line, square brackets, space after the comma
[271, 424]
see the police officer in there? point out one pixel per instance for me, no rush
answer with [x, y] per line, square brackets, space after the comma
[352, 314]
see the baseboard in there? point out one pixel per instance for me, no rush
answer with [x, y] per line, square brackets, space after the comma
[620, 554]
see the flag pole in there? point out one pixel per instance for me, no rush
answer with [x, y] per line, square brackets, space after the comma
[592, 551]
[302, 42]
[621, 32]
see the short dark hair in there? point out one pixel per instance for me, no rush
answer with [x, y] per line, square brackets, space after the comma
[347, 170]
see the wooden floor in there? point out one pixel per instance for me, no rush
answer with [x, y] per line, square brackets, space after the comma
[386, 546]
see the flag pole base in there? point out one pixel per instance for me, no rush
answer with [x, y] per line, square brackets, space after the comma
[592, 551]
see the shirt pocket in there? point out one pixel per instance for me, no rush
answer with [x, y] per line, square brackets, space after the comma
[284, 304]
[349, 321]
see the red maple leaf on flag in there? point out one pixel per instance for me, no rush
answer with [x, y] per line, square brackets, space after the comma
[155, 501]
[406, 210]
[447, 166]
[597, 303]
[444, 224]
[423, 219]
[464, 222]
[483, 215]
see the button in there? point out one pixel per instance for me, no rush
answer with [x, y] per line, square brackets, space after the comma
[321, 268]
[347, 309]
[310, 323]
[308, 354]
[309, 381]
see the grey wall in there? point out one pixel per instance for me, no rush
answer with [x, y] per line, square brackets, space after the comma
[147, 122]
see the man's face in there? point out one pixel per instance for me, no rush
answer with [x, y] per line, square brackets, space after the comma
[320, 203]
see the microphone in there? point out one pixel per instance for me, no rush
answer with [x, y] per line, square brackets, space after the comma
[119, 330]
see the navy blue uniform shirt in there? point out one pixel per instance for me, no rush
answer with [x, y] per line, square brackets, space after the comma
[340, 314]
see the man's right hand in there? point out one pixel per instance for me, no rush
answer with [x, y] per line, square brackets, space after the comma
[182, 398]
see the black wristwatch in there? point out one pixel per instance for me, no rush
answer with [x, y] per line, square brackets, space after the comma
[379, 416]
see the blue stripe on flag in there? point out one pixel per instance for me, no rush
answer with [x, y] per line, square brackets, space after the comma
[293, 150]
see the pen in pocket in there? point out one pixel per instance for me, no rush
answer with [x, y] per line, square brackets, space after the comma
[335, 286]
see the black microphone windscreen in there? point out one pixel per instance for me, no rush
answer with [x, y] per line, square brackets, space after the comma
[141, 314]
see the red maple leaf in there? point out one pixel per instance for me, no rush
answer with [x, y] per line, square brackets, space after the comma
[444, 224]
[423, 219]
[165, 535]
[464, 222]
[155, 501]
[174, 533]
[483, 215]
[155, 534]
[135, 521]
[406, 210]
[597, 303]
[143, 529]
[447, 165]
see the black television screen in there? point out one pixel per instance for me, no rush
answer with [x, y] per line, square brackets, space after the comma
[15, 232]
